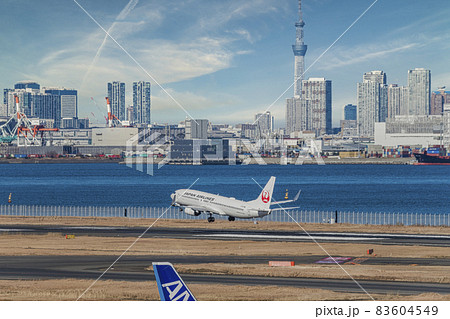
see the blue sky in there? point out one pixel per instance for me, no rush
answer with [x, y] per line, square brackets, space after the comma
[221, 60]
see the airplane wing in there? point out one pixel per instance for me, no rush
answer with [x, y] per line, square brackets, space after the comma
[170, 285]
[288, 201]
[283, 208]
[196, 208]
[205, 208]
[213, 210]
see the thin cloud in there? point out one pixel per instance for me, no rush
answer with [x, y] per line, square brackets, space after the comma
[122, 15]
[345, 56]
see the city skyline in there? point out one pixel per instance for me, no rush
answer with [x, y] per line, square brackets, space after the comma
[230, 56]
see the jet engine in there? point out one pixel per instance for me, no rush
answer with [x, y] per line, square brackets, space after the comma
[192, 212]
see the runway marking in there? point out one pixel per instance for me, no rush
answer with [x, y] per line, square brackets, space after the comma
[94, 227]
[356, 261]
[287, 237]
[391, 235]
[13, 230]
[333, 260]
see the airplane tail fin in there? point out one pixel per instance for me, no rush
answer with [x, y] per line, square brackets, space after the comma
[170, 285]
[264, 199]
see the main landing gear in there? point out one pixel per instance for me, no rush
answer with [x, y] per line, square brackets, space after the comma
[211, 219]
[231, 218]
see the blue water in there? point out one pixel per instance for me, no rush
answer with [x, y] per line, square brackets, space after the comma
[361, 188]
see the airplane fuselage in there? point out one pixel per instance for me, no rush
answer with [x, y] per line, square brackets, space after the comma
[200, 201]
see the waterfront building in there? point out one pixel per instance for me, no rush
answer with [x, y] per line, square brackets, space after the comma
[372, 96]
[113, 136]
[317, 93]
[264, 123]
[116, 95]
[141, 102]
[446, 126]
[196, 129]
[47, 106]
[423, 130]
[68, 104]
[349, 128]
[55, 104]
[398, 99]
[5, 110]
[419, 83]
[25, 102]
[438, 99]
[248, 131]
[296, 115]
[68, 101]
[383, 112]
[201, 149]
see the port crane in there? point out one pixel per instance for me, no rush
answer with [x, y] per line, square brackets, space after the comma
[112, 120]
[20, 127]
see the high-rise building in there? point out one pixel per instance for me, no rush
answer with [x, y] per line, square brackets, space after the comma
[25, 102]
[264, 123]
[368, 103]
[419, 83]
[350, 112]
[384, 97]
[69, 103]
[141, 102]
[57, 104]
[368, 107]
[5, 110]
[116, 95]
[398, 100]
[438, 99]
[27, 85]
[131, 115]
[317, 93]
[296, 115]
[313, 112]
[47, 106]
[372, 95]
[375, 76]
[23, 90]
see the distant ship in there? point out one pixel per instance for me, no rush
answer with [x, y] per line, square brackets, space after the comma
[432, 156]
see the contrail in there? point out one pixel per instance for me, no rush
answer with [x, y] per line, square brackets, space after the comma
[122, 15]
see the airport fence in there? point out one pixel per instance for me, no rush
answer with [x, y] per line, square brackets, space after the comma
[300, 216]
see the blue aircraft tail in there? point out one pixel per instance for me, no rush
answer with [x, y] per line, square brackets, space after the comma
[170, 285]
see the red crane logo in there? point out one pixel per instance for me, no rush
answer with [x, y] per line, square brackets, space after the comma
[265, 197]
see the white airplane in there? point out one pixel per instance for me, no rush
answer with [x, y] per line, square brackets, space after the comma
[196, 202]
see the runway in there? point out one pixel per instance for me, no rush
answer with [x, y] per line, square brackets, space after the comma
[133, 268]
[228, 234]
